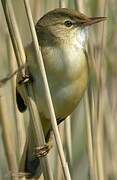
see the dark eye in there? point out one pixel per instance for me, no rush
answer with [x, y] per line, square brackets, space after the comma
[68, 23]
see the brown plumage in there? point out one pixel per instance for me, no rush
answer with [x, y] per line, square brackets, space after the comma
[62, 36]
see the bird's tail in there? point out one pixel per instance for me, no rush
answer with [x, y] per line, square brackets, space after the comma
[29, 163]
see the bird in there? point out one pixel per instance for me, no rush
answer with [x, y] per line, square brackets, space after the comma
[62, 36]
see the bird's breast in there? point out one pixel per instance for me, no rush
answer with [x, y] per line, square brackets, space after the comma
[67, 74]
[64, 63]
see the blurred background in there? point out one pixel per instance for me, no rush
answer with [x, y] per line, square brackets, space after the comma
[89, 137]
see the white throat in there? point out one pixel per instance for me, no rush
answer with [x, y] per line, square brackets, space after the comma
[81, 38]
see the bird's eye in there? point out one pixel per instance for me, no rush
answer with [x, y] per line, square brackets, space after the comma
[68, 23]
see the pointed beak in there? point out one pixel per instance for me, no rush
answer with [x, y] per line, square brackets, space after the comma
[93, 20]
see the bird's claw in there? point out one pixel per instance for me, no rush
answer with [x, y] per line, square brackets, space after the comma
[43, 150]
[21, 175]
[25, 79]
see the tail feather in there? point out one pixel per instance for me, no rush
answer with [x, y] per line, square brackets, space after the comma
[29, 163]
[32, 167]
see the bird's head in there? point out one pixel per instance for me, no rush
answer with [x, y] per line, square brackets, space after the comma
[62, 26]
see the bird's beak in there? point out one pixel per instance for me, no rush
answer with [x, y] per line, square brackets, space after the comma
[93, 20]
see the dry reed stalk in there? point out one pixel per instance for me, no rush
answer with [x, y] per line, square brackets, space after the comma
[79, 5]
[68, 140]
[89, 108]
[110, 111]
[111, 139]
[62, 4]
[20, 55]
[76, 5]
[99, 67]
[100, 103]
[89, 137]
[95, 139]
[18, 117]
[37, 9]
[59, 173]
[40, 64]
[7, 132]
[67, 122]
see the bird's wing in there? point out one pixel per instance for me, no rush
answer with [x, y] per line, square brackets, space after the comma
[20, 102]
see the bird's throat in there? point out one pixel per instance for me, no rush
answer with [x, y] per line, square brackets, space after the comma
[81, 38]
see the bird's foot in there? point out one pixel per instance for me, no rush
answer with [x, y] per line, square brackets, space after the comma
[26, 79]
[21, 175]
[43, 150]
